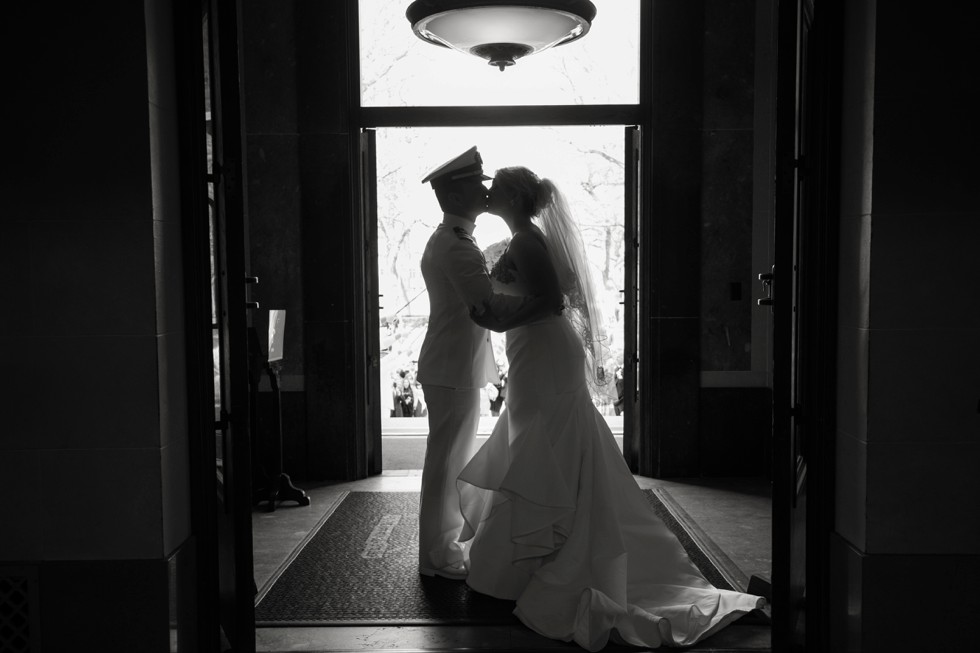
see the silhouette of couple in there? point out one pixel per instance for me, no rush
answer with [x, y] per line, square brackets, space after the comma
[546, 513]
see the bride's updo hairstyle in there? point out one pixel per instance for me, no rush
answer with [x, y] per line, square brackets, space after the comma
[530, 193]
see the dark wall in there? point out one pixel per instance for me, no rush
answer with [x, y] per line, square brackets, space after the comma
[699, 240]
[274, 200]
[300, 223]
[671, 370]
[734, 437]
[726, 204]
[735, 422]
[93, 411]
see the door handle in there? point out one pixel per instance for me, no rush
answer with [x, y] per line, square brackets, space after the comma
[767, 278]
[251, 281]
[622, 303]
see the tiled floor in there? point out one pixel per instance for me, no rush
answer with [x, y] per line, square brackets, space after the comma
[734, 514]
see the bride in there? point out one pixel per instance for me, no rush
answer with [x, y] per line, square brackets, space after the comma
[553, 517]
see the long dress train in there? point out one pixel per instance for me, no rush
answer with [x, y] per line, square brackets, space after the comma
[556, 521]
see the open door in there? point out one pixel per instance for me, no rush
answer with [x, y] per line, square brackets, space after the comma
[367, 343]
[790, 315]
[631, 298]
[804, 302]
[230, 322]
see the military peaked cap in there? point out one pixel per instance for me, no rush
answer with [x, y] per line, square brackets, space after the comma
[467, 164]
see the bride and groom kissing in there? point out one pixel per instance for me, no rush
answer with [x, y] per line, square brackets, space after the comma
[546, 513]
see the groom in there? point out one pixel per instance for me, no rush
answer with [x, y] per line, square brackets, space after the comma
[456, 361]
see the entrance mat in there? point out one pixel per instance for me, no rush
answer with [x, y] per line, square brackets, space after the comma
[360, 567]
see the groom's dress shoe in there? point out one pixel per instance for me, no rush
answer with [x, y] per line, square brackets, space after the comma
[454, 572]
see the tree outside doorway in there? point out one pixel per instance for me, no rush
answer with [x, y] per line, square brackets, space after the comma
[585, 162]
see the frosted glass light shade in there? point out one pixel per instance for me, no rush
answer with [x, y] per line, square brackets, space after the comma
[500, 32]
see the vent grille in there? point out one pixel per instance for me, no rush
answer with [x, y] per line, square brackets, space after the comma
[17, 618]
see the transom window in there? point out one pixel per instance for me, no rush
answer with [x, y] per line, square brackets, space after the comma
[400, 70]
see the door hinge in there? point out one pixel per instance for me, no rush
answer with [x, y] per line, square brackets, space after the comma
[221, 424]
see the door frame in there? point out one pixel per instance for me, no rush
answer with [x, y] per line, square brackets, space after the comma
[365, 119]
[804, 296]
[221, 544]
[789, 466]
[195, 234]
[240, 358]
[201, 426]
[366, 344]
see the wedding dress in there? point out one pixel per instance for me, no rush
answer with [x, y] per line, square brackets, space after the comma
[555, 520]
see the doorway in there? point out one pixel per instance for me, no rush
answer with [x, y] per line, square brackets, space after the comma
[586, 162]
[379, 117]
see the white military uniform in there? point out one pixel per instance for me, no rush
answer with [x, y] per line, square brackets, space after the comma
[455, 364]
[456, 351]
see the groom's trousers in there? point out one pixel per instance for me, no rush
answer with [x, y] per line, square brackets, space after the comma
[454, 415]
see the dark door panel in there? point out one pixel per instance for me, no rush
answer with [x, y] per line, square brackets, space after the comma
[230, 301]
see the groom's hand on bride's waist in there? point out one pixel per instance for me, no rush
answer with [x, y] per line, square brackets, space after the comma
[532, 308]
[485, 317]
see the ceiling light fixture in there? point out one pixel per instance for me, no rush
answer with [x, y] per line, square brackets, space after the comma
[500, 31]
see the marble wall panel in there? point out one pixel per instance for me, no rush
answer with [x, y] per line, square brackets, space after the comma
[853, 361]
[851, 489]
[676, 404]
[924, 158]
[270, 68]
[80, 120]
[928, 73]
[868, 591]
[734, 428]
[169, 272]
[726, 251]
[115, 606]
[175, 486]
[323, 100]
[854, 272]
[327, 221]
[919, 498]
[276, 239]
[923, 385]
[23, 531]
[91, 393]
[15, 269]
[92, 277]
[330, 400]
[925, 270]
[102, 504]
[729, 58]
[164, 142]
